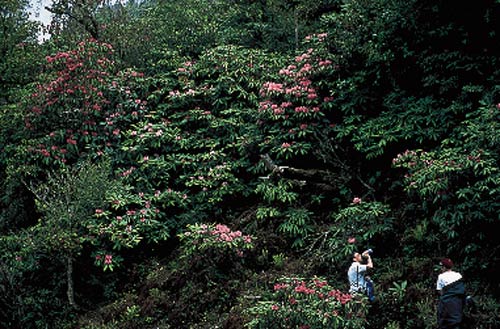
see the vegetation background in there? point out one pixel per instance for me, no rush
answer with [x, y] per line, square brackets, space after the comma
[213, 163]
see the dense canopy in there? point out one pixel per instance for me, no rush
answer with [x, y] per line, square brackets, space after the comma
[215, 163]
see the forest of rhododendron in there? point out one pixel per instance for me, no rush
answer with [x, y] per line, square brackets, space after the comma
[216, 164]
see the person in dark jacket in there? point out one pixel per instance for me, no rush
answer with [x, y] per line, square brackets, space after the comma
[451, 288]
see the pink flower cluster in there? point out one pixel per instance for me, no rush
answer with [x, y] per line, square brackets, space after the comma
[320, 36]
[78, 89]
[401, 157]
[108, 259]
[296, 98]
[217, 237]
[312, 303]
[343, 298]
[302, 288]
[317, 287]
[223, 233]
[273, 87]
[280, 286]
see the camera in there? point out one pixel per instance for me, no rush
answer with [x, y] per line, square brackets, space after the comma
[369, 252]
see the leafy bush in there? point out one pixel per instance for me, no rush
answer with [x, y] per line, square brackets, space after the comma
[459, 184]
[356, 226]
[307, 303]
[189, 143]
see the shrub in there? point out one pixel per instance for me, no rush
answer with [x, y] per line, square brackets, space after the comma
[308, 303]
[201, 238]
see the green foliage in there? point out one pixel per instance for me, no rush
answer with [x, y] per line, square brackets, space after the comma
[19, 58]
[459, 182]
[194, 147]
[279, 260]
[67, 200]
[27, 302]
[127, 218]
[279, 200]
[364, 220]
[272, 25]
[128, 27]
[301, 303]
[277, 194]
[16, 205]
[382, 44]
[189, 27]
[73, 19]
[297, 225]
[293, 114]
[483, 312]
[355, 227]
[417, 120]
[277, 145]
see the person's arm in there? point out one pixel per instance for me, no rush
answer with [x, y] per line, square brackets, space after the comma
[369, 263]
[439, 285]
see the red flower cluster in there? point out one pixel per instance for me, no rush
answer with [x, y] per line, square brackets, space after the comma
[343, 298]
[302, 288]
[319, 288]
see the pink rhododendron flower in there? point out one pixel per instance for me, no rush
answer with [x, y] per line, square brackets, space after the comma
[108, 259]
[279, 286]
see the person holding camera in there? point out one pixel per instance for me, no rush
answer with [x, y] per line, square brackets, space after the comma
[359, 282]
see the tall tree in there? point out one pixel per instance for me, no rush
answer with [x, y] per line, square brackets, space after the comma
[67, 200]
[18, 42]
[78, 16]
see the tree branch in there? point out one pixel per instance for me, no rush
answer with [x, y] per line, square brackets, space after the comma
[320, 179]
[89, 23]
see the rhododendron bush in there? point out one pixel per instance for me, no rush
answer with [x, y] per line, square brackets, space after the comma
[307, 303]
[165, 162]
[296, 116]
[194, 185]
[297, 104]
[126, 219]
[201, 238]
[82, 105]
[194, 146]
[80, 112]
[460, 179]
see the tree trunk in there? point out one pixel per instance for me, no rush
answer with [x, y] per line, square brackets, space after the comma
[69, 278]
[296, 21]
